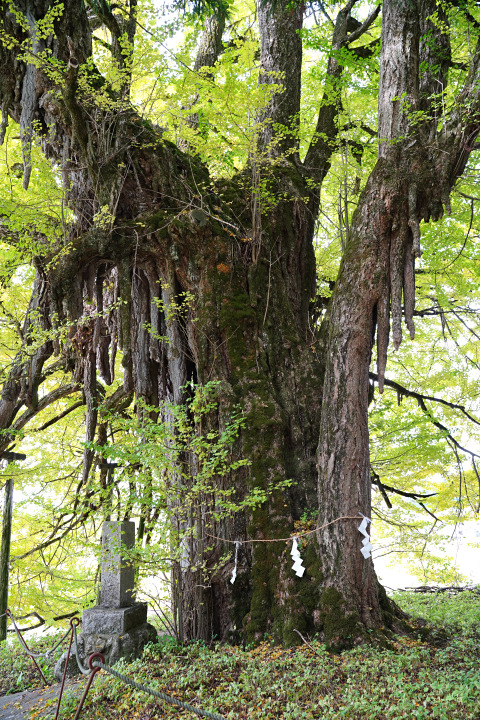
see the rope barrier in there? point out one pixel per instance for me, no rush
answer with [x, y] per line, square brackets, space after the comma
[289, 539]
[34, 656]
[26, 648]
[62, 639]
[81, 667]
[160, 695]
[93, 668]
[29, 652]
[101, 665]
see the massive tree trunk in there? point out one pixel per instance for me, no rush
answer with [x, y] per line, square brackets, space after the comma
[251, 274]
[412, 180]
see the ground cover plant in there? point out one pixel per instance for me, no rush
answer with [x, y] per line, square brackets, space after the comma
[17, 671]
[434, 676]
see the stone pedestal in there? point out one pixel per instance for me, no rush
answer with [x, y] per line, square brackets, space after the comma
[113, 620]
[118, 627]
[113, 646]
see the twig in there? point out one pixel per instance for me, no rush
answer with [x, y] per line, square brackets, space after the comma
[307, 643]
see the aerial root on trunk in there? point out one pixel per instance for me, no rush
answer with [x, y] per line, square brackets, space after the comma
[383, 333]
[105, 323]
[124, 329]
[396, 282]
[90, 389]
[409, 287]
[413, 220]
[399, 284]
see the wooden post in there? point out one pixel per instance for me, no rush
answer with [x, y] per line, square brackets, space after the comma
[5, 548]
[5, 556]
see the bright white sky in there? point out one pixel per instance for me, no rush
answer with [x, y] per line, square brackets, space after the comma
[466, 559]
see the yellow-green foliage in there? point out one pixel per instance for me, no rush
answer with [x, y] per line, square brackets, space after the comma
[409, 452]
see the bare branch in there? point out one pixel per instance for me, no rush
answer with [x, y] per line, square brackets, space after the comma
[376, 481]
[49, 542]
[45, 401]
[428, 511]
[364, 26]
[418, 396]
[60, 416]
[414, 496]
[445, 430]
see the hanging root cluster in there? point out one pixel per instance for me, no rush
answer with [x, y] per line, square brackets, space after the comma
[405, 248]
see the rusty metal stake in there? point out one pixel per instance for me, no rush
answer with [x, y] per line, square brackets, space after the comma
[94, 670]
[29, 652]
[74, 621]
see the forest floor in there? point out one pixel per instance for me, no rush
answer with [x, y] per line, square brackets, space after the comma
[413, 679]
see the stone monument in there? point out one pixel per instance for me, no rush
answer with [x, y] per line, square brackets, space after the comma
[118, 627]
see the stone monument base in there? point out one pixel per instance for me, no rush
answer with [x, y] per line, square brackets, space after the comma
[104, 637]
[107, 620]
[118, 627]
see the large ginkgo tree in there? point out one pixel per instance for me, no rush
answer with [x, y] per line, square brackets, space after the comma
[184, 255]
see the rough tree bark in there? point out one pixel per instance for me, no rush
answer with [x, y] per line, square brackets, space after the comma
[415, 172]
[252, 324]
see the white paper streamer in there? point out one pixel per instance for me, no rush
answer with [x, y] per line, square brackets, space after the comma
[234, 571]
[297, 560]
[366, 550]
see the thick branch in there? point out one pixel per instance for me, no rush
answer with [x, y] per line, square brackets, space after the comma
[398, 91]
[435, 59]
[366, 51]
[322, 146]
[117, 26]
[60, 416]
[44, 402]
[209, 51]
[281, 64]
[463, 125]
[364, 26]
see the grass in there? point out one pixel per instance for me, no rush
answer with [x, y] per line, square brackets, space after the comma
[458, 613]
[412, 680]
